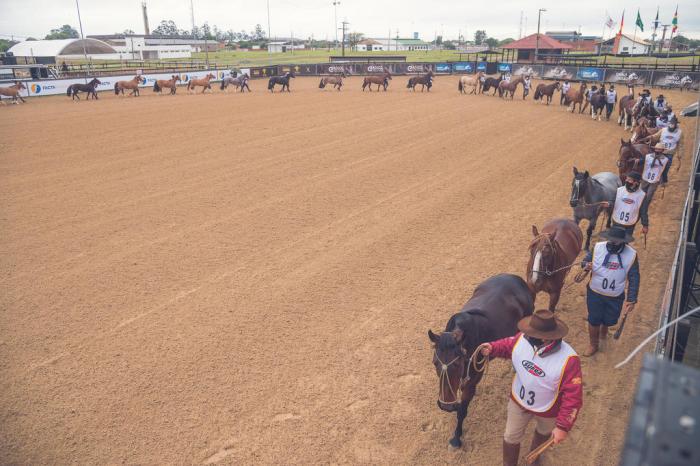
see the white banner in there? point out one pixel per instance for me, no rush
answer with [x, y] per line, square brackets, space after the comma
[60, 86]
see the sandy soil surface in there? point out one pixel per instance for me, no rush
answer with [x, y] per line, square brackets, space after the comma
[250, 278]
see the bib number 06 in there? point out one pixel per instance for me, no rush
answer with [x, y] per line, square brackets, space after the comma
[528, 397]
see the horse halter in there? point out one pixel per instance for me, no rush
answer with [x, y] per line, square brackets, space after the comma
[445, 378]
[548, 273]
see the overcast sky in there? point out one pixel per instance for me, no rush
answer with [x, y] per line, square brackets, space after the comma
[304, 18]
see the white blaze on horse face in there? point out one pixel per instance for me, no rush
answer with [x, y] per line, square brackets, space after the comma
[536, 266]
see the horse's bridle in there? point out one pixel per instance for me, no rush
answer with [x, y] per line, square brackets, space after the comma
[445, 378]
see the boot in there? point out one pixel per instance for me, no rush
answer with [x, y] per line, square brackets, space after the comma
[603, 337]
[511, 453]
[537, 440]
[593, 336]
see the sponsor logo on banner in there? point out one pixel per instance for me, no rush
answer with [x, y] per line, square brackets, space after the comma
[481, 66]
[504, 67]
[467, 67]
[415, 68]
[592, 74]
[375, 68]
[338, 69]
[443, 68]
[36, 88]
[533, 368]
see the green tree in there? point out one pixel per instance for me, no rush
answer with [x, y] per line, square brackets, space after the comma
[492, 42]
[479, 37]
[354, 38]
[6, 44]
[167, 28]
[64, 32]
[505, 41]
[259, 33]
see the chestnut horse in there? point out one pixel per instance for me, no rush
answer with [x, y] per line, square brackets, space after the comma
[337, 81]
[546, 90]
[13, 91]
[132, 84]
[552, 254]
[204, 82]
[505, 87]
[643, 127]
[169, 83]
[470, 81]
[574, 97]
[379, 80]
[631, 158]
[492, 312]
[626, 108]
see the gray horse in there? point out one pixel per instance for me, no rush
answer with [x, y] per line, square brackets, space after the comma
[237, 82]
[589, 195]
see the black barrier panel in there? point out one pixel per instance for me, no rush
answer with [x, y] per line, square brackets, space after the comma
[534, 71]
[559, 72]
[636, 77]
[302, 70]
[676, 79]
[335, 68]
[263, 72]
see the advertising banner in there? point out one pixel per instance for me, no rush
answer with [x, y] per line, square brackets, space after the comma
[464, 67]
[481, 66]
[504, 67]
[443, 68]
[636, 77]
[590, 74]
[418, 68]
[263, 72]
[676, 79]
[534, 71]
[559, 72]
[376, 68]
[334, 68]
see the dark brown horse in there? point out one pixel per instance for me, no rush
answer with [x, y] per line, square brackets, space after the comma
[546, 91]
[552, 254]
[169, 83]
[574, 97]
[505, 87]
[631, 158]
[337, 81]
[379, 80]
[424, 80]
[491, 313]
[90, 89]
[598, 100]
[490, 82]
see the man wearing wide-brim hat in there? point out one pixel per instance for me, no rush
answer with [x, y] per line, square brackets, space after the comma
[655, 165]
[547, 385]
[614, 268]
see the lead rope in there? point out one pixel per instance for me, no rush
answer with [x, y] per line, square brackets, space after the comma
[475, 362]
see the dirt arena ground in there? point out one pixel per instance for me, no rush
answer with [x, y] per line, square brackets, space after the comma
[249, 278]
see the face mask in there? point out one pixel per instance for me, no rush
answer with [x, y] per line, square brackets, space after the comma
[672, 127]
[536, 342]
[631, 187]
[614, 248]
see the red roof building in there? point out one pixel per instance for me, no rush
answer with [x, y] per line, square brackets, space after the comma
[526, 46]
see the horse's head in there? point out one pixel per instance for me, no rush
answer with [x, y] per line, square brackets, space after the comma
[211, 76]
[449, 358]
[542, 256]
[430, 73]
[387, 75]
[578, 187]
[291, 74]
[95, 82]
[557, 85]
[20, 85]
[628, 154]
[176, 78]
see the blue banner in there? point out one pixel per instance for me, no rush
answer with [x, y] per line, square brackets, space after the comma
[481, 66]
[590, 74]
[465, 67]
[443, 68]
[504, 67]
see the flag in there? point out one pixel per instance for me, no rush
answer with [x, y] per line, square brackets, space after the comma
[639, 21]
[610, 23]
[622, 22]
[675, 20]
[656, 20]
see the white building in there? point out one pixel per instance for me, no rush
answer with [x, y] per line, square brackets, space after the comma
[43, 51]
[403, 45]
[283, 46]
[624, 44]
[369, 45]
[154, 47]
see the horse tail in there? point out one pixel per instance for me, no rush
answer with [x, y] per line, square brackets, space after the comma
[321, 84]
[538, 94]
[460, 86]
[156, 87]
[223, 86]
[68, 91]
[116, 88]
[270, 84]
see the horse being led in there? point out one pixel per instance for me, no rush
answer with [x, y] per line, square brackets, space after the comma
[589, 196]
[546, 90]
[643, 128]
[598, 100]
[171, 84]
[13, 92]
[626, 108]
[470, 81]
[203, 82]
[237, 82]
[631, 158]
[88, 88]
[281, 80]
[491, 313]
[424, 80]
[337, 81]
[132, 84]
[574, 97]
[379, 80]
[505, 87]
[491, 82]
[552, 254]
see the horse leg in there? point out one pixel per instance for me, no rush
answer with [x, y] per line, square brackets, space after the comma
[589, 232]
[554, 299]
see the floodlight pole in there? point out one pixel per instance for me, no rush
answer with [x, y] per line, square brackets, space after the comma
[537, 40]
[82, 37]
[345, 23]
[335, 18]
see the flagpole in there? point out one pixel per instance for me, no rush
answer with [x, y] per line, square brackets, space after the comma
[634, 38]
[602, 39]
[670, 43]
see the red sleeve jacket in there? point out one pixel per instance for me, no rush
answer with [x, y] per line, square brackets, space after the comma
[570, 398]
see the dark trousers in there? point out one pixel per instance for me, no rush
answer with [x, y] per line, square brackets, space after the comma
[561, 98]
[526, 91]
[664, 174]
[608, 110]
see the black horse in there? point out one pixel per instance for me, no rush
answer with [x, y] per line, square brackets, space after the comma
[491, 82]
[491, 313]
[283, 80]
[89, 88]
[424, 80]
[589, 196]
[598, 100]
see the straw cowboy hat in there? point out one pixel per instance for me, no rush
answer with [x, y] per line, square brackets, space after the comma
[660, 145]
[542, 324]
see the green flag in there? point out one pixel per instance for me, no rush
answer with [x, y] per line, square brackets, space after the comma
[639, 21]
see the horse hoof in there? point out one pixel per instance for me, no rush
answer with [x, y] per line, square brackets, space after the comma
[454, 444]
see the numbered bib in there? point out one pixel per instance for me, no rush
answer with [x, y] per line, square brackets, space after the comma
[652, 171]
[627, 205]
[611, 279]
[670, 139]
[537, 379]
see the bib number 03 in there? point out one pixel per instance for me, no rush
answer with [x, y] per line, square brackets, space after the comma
[528, 398]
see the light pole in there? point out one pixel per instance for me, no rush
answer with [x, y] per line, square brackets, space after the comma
[537, 41]
[335, 19]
